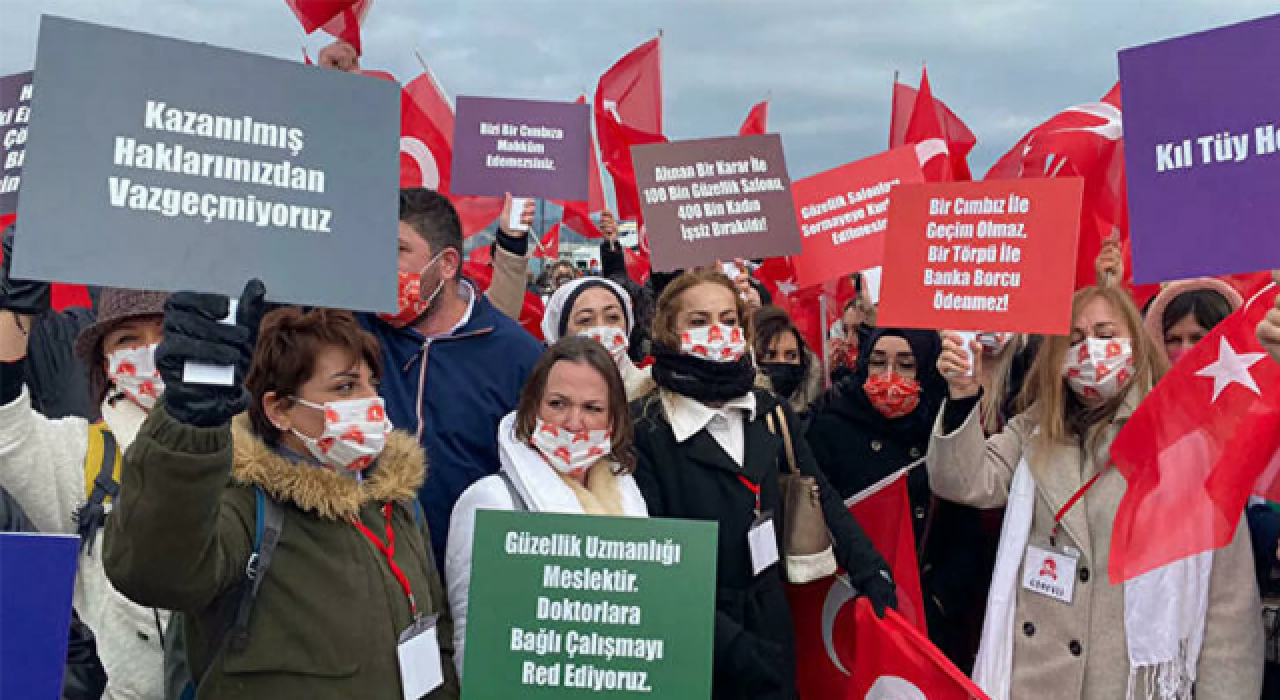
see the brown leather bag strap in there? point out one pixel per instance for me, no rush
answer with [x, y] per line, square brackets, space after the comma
[786, 437]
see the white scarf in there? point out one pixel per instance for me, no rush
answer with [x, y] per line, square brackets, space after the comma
[1164, 611]
[125, 419]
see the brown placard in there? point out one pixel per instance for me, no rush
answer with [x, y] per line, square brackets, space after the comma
[716, 199]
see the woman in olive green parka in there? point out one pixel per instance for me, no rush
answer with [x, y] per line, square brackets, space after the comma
[331, 610]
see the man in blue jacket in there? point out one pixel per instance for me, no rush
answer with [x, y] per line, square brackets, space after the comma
[453, 364]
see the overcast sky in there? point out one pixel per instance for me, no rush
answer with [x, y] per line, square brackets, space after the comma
[828, 65]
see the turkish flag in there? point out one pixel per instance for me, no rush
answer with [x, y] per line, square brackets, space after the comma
[757, 120]
[628, 112]
[1196, 448]
[426, 151]
[550, 248]
[338, 18]
[481, 273]
[1084, 141]
[942, 140]
[577, 215]
[893, 660]
[638, 265]
[884, 513]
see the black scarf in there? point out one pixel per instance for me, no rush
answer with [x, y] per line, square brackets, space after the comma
[702, 380]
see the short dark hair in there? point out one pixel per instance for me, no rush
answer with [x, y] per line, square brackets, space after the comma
[1208, 306]
[584, 351]
[285, 358]
[433, 217]
[767, 323]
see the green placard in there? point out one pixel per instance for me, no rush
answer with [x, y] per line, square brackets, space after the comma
[566, 606]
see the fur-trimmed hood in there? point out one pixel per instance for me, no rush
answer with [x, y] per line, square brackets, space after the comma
[1154, 319]
[396, 476]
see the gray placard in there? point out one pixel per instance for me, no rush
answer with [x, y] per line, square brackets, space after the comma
[163, 164]
[15, 114]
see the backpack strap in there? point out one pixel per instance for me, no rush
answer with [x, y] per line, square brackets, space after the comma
[102, 461]
[266, 535]
[516, 499]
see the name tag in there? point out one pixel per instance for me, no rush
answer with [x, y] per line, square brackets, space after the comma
[419, 654]
[764, 544]
[1050, 573]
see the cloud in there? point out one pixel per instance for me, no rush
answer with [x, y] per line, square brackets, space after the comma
[828, 65]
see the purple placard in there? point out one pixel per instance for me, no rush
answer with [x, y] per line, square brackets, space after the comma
[527, 148]
[15, 112]
[1202, 152]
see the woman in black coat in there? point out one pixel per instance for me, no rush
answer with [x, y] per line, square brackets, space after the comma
[876, 422]
[705, 453]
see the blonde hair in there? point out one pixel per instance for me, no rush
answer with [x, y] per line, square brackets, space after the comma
[1061, 416]
[993, 396]
[665, 329]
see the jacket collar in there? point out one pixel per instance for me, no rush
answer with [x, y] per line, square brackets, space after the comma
[396, 476]
[543, 489]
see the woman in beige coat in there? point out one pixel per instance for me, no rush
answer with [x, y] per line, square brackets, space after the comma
[1056, 627]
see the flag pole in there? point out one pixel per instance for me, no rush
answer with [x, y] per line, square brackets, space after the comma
[420, 61]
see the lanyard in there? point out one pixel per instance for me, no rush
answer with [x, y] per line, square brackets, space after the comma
[1071, 502]
[389, 551]
[755, 490]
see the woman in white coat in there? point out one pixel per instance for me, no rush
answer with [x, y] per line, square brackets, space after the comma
[1056, 628]
[566, 449]
[598, 308]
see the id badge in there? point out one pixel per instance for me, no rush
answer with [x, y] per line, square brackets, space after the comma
[419, 654]
[1050, 573]
[763, 541]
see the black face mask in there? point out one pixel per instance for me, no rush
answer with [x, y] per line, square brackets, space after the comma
[784, 376]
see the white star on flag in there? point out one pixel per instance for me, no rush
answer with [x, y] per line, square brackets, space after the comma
[787, 287]
[1231, 368]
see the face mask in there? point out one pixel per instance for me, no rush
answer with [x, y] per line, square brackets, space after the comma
[994, 342]
[613, 339]
[891, 395]
[568, 452]
[717, 342]
[133, 371]
[1177, 353]
[784, 376]
[1099, 368]
[355, 431]
[411, 305]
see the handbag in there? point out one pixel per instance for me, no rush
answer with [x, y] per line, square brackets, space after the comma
[806, 540]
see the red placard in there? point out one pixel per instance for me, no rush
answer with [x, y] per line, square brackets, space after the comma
[982, 256]
[843, 213]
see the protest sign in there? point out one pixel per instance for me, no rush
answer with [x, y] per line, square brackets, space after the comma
[37, 578]
[162, 164]
[527, 148]
[607, 606]
[1202, 152]
[843, 213]
[982, 256]
[15, 113]
[716, 199]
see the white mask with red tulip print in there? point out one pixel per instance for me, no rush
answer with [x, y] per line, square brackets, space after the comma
[355, 431]
[569, 452]
[1099, 368]
[613, 339]
[717, 342]
[133, 371]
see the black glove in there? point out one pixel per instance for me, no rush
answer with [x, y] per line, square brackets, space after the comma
[20, 296]
[193, 332]
[880, 590]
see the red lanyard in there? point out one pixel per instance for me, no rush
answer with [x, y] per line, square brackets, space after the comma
[389, 551]
[754, 488]
[1071, 502]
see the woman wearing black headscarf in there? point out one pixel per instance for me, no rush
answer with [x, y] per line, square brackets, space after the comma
[875, 423]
